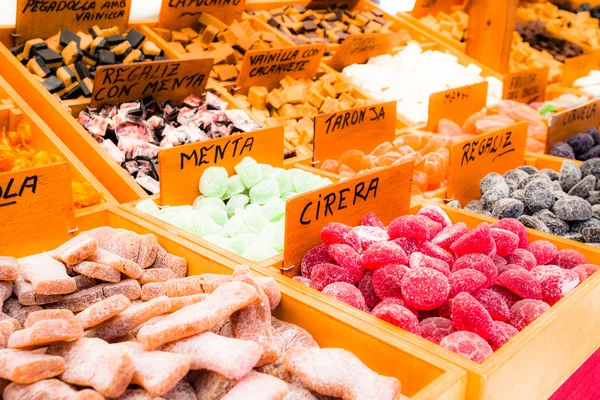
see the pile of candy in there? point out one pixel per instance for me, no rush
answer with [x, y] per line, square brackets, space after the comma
[452, 25]
[589, 84]
[565, 203]
[16, 154]
[468, 290]
[581, 146]
[583, 7]
[561, 103]
[412, 75]
[132, 133]
[523, 57]
[157, 333]
[242, 213]
[536, 34]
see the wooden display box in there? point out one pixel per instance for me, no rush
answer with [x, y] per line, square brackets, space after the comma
[423, 376]
[11, 114]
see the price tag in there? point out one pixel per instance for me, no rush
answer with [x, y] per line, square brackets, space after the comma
[357, 49]
[456, 104]
[526, 86]
[36, 207]
[45, 18]
[181, 167]
[179, 14]
[576, 67]
[165, 80]
[268, 67]
[385, 192]
[424, 7]
[362, 128]
[572, 121]
[473, 159]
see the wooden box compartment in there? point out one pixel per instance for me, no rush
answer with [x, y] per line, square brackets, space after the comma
[423, 376]
[17, 110]
[446, 40]
[540, 358]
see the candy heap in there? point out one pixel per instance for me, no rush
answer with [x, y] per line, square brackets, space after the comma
[523, 57]
[561, 103]
[565, 203]
[66, 63]
[16, 154]
[536, 34]
[589, 84]
[132, 133]
[243, 213]
[581, 146]
[412, 75]
[227, 45]
[468, 290]
[156, 333]
[583, 7]
[453, 25]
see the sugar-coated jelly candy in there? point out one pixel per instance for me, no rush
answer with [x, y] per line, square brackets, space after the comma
[568, 259]
[499, 261]
[522, 283]
[466, 280]
[543, 251]
[513, 225]
[450, 234]
[507, 267]
[347, 258]
[383, 253]
[398, 315]
[504, 332]
[303, 280]
[475, 241]
[555, 282]
[524, 312]
[425, 288]
[369, 235]
[326, 273]
[523, 258]
[493, 303]
[435, 329]
[370, 219]
[506, 241]
[387, 280]
[368, 291]
[467, 344]
[469, 315]
[478, 262]
[408, 245]
[414, 226]
[432, 250]
[420, 260]
[316, 255]
[335, 232]
[347, 293]
[585, 270]
[435, 213]
[353, 159]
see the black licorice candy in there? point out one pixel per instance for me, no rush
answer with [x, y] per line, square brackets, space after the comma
[37, 66]
[81, 70]
[135, 38]
[67, 36]
[105, 57]
[31, 46]
[51, 58]
[53, 84]
[17, 50]
[114, 40]
[122, 50]
[66, 75]
[98, 43]
[73, 92]
[87, 86]
[89, 58]
[71, 53]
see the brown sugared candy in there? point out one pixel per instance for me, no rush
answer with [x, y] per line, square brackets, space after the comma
[48, 389]
[9, 268]
[47, 276]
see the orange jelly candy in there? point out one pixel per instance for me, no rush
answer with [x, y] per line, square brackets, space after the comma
[353, 159]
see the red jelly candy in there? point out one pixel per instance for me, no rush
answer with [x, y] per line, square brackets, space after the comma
[424, 314]
[347, 293]
[420, 260]
[522, 283]
[347, 258]
[408, 245]
[523, 258]
[478, 240]
[493, 303]
[436, 328]
[506, 241]
[491, 250]
[450, 234]
[387, 280]
[445, 309]
[326, 273]
[543, 251]
[509, 297]
[507, 267]
[425, 288]
[303, 280]
[435, 213]
[316, 255]
[585, 271]
[370, 219]
[414, 227]
[369, 235]
[432, 250]
[467, 344]
[569, 258]
[397, 315]
[504, 332]
[513, 225]
[555, 282]
[383, 253]
[469, 315]
[466, 280]
[334, 233]
[499, 261]
[480, 263]
[526, 311]
[399, 301]
[366, 288]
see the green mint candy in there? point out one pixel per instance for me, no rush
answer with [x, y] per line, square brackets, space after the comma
[213, 182]
[236, 202]
[264, 191]
[249, 171]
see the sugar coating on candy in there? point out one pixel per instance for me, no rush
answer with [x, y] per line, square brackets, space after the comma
[494, 304]
[572, 208]
[570, 174]
[191, 285]
[383, 253]
[156, 275]
[420, 260]
[257, 385]
[450, 234]
[469, 315]
[569, 258]
[153, 290]
[523, 258]
[436, 328]
[43, 315]
[506, 241]
[556, 283]
[478, 262]
[543, 251]
[432, 250]
[26, 295]
[414, 227]
[9, 268]
[6, 290]
[316, 255]
[47, 276]
[326, 273]
[466, 280]
[400, 302]
[408, 245]
[334, 232]
[177, 303]
[504, 332]
[435, 213]
[303, 280]
[347, 258]
[121, 264]
[507, 267]
[369, 235]
[514, 226]
[48, 389]
[370, 219]
[45, 332]
[499, 261]
[346, 293]
[28, 367]
[475, 241]
[387, 280]
[103, 311]
[82, 299]
[210, 385]
[368, 291]
[397, 315]
[522, 283]
[467, 344]
[76, 249]
[339, 373]
[97, 271]
[16, 310]
[170, 261]
[524, 312]
[425, 288]
[586, 270]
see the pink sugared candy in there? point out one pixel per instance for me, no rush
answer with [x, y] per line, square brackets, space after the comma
[436, 328]
[420, 260]
[514, 226]
[478, 240]
[347, 258]
[555, 282]
[467, 344]
[316, 255]
[526, 311]
[302, 279]
[369, 235]
[509, 297]
[523, 258]
[383, 253]
[469, 315]
[508, 267]
[432, 250]
[436, 214]
[504, 332]
[397, 315]
[493, 303]
[522, 283]
[569, 258]
[499, 261]
[466, 280]
[585, 271]
[408, 245]
[387, 280]
[480, 263]
[326, 274]
[445, 309]
[370, 219]
[450, 234]
[347, 293]
[543, 251]
[414, 227]
[425, 288]
[336, 233]
[368, 291]
[506, 241]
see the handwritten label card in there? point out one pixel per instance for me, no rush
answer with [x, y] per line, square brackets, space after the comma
[179, 14]
[362, 128]
[572, 121]
[473, 159]
[357, 49]
[424, 7]
[576, 67]
[36, 206]
[45, 18]
[385, 192]
[181, 167]
[165, 80]
[526, 86]
[268, 67]
[456, 104]
[318, 4]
